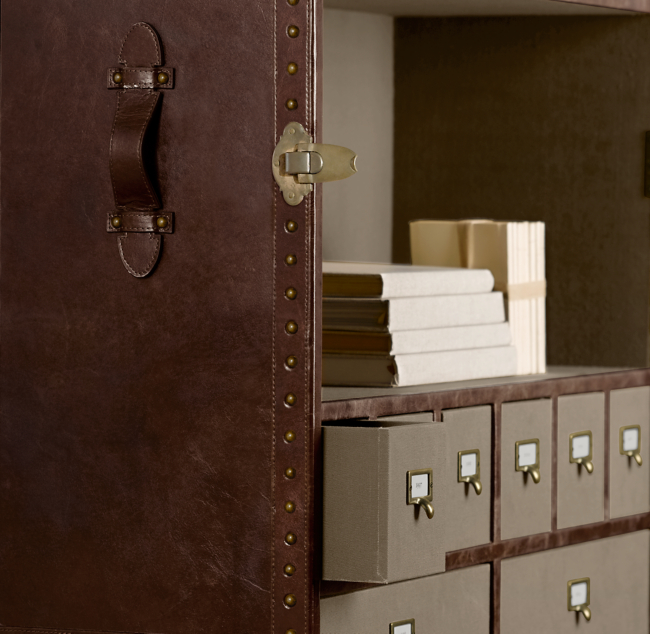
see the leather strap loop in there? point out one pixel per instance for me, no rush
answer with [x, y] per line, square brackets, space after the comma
[135, 197]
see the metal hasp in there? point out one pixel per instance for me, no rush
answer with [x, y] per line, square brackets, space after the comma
[298, 163]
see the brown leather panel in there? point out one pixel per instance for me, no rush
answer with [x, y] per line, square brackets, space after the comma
[141, 77]
[141, 47]
[39, 630]
[136, 437]
[405, 403]
[140, 222]
[139, 252]
[546, 541]
[131, 185]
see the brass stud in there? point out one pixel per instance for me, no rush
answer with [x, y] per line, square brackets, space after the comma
[291, 327]
[117, 78]
[293, 31]
[289, 507]
[289, 569]
[163, 78]
[290, 600]
[292, 226]
[290, 436]
[291, 362]
[290, 399]
[292, 104]
[116, 221]
[290, 260]
[290, 473]
[291, 632]
[162, 222]
[291, 293]
[293, 3]
[291, 539]
[292, 68]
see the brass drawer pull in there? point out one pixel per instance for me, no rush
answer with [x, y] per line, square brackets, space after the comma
[629, 442]
[579, 596]
[419, 489]
[527, 458]
[581, 450]
[469, 469]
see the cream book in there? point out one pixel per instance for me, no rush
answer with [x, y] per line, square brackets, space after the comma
[415, 341]
[417, 369]
[387, 281]
[412, 313]
[514, 253]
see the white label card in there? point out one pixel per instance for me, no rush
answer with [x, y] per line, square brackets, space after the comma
[580, 446]
[419, 486]
[527, 454]
[403, 629]
[631, 439]
[578, 593]
[468, 465]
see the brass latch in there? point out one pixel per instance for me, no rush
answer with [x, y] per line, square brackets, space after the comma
[298, 163]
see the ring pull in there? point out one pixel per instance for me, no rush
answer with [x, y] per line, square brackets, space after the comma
[419, 489]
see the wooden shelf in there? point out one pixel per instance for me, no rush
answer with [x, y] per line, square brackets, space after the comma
[460, 8]
[341, 403]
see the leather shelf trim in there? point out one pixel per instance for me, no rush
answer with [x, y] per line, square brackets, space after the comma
[140, 77]
[140, 222]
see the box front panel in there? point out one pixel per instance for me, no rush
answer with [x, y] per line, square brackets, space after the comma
[629, 429]
[534, 588]
[525, 505]
[580, 494]
[468, 514]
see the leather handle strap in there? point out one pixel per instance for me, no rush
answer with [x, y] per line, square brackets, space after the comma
[136, 201]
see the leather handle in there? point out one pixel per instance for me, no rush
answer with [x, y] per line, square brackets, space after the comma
[135, 218]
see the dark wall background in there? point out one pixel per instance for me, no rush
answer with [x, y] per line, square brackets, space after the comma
[537, 119]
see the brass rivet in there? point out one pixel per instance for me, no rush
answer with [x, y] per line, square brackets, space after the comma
[290, 600]
[292, 226]
[293, 3]
[291, 327]
[289, 507]
[292, 104]
[291, 293]
[291, 632]
[292, 195]
[292, 131]
[291, 539]
[290, 473]
[289, 569]
[162, 222]
[117, 78]
[163, 78]
[290, 436]
[290, 399]
[291, 362]
[292, 68]
[293, 31]
[291, 259]
[116, 221]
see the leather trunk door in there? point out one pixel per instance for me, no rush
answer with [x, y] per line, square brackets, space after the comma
[141, 452]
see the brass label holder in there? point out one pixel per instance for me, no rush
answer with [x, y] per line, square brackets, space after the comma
[629, 442]
[419, 489]
[467, 465]
[579, 596]
[402, 627]
[526, 465]
[576, 444]
[298, 163]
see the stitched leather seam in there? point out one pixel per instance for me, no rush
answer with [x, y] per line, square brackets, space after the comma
[158, 60]
[151, 262]
[111, 146]
[273, 323]
[145, 125]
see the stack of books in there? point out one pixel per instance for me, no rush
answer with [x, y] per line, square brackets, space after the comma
[514, 253]
[401, 325]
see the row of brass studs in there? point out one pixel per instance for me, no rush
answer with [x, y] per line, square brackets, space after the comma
[291, 328]
[161, 221]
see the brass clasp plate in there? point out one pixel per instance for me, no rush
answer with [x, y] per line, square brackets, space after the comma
[298, 163]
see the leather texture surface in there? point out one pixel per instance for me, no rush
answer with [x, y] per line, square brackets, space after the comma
[142, 457]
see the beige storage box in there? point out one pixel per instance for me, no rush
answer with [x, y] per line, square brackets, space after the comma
[535, 592]
[526, 463]
[580, 459]
[469, 440]
[371, 533]
[457, 602]
[629, 425]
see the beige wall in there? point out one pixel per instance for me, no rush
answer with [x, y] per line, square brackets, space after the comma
[358, 113]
